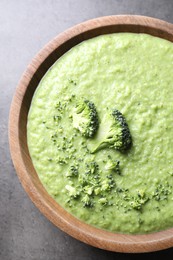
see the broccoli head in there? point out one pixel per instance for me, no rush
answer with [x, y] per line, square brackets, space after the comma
[85, 118]
[116, 133]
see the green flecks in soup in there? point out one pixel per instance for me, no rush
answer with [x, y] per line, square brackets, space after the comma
[128, 192]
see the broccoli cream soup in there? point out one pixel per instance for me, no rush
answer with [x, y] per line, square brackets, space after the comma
[100, 132]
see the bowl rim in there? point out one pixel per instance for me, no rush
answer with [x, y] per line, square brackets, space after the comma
[93, 236]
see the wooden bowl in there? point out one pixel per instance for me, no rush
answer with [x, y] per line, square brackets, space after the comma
[18, 140]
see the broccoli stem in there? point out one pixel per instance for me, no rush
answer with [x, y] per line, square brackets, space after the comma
[100, 146]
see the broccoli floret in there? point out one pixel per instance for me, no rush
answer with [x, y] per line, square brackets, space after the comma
[112, 165]
[97, 190]
[90, 175]
[73, 193]
[108, 183]
[139, 200]
[88, 189]
[87, 201]
[91, 167]
[85, 118]
[73, 171]
[116, 133]
[103, 201]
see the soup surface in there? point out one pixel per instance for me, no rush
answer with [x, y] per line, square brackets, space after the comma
[124, 71]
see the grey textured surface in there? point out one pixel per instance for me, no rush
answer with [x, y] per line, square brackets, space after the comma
[25, 26]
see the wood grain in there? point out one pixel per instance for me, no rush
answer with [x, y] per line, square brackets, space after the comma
[18, 141]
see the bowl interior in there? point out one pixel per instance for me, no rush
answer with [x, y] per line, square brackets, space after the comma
[18, 139]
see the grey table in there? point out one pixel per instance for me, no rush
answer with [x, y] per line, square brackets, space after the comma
[25, 26]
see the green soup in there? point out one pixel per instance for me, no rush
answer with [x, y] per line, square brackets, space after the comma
[129, 72]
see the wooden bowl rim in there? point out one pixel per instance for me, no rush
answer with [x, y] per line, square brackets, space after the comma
[66, 222]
